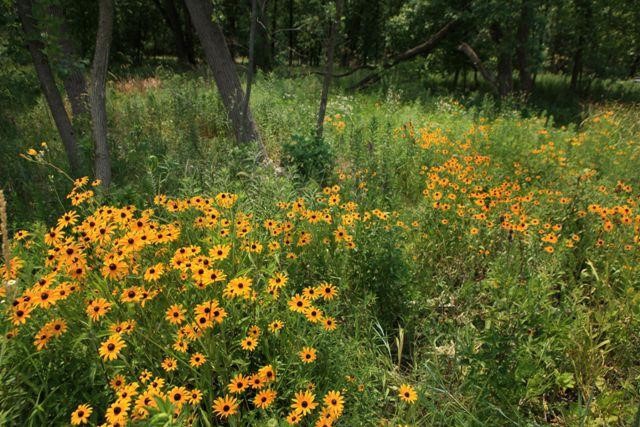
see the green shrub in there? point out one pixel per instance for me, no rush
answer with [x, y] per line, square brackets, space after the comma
[311, 156]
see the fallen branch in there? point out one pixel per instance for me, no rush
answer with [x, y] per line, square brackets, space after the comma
[423, 49]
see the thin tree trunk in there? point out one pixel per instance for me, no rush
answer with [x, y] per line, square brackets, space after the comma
[188, 33]
[170, 14]
[223, 68]
[477, 63]
[74, 82]
[262, 57]
[252, 42]
[634, 66]
[328, 72]
[522, 48]
[48, 84]
[98, 89]
[576, 69]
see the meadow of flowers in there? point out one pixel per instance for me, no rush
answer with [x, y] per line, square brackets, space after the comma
[454, 268]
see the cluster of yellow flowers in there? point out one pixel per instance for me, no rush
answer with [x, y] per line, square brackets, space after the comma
[464, 183]
[196, 284]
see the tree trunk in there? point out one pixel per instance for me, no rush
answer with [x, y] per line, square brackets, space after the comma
[170, 14]
[223, 68]
[48, 84]
[424, 49]
[634, 66]
[251, 67]
[505, 66]
[98, 89]
[262, 57]
[576, 69]
[328, 71]
[456, 74]
[505, 74]
[522, 47]
[477, 63]
[584, 14]
[73, 78]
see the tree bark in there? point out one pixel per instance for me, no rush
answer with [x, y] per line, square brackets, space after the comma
[251, 68]
[222, 66]
[73, 78]
[424, 49]
[48, 84]
[505, 64]
[98, 89]
[505, 74]
[634, 66]
[169, 12]
[262, 58]
[583, 27]
[328, 71]
[522, 47]
[477, 63]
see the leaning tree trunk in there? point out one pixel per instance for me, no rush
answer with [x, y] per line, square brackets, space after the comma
[477, 63]
[219, 59]
[328, 71]
[98, 89]
[74, 82]
[48, 84]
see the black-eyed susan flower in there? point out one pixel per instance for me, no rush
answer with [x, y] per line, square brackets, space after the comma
[98, 308]
[307, 354]
[154, 273]
[334, 401]
[407, 393]
[81, 415]
[197, 359]
[178, 395]
[267, 373]
[169, 364]
[304, 402]
[194, 396]
[249, 343]
[175, 314]
[238, 384]
[117, 412]
[276, 326]
[264, 398]
[225, 406]
[329, 324]
[110, 349]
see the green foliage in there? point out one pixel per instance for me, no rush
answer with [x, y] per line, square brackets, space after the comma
[310, 156]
